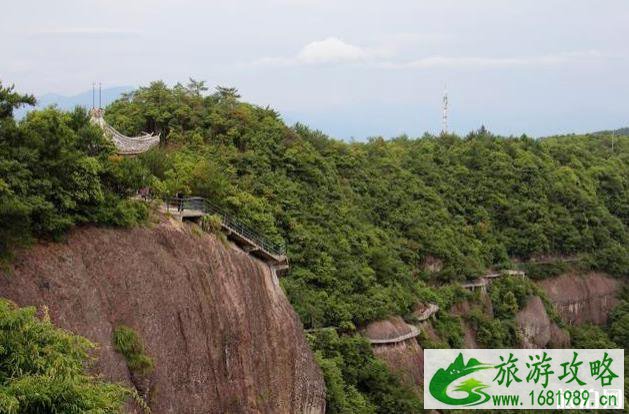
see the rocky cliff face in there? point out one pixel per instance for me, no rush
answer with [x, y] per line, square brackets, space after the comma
[404, 357]
[536, 328]
[582, 298]
[463, 308]
[578, 299]
[219, 328]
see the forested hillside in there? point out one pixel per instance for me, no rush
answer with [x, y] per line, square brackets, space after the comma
[57, 170]
[619, 131]
[360, 219]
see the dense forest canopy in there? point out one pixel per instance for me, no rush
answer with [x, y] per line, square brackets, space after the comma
[57, 170]
[619, 131]
[361, 219]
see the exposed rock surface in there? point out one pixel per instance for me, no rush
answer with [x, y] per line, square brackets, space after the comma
[559, 338]
[387, 329]
[536, 328]
[433, 264]
[223, 335]
[405, 358]
[469, 336]
[582, 298]
[423, 311]
[534, 324]
[428, 331]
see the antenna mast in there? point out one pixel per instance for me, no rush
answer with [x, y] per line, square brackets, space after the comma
[444, 120]
[93, 95]
[100, 106]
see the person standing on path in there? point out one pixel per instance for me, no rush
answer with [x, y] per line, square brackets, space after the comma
[179, 198]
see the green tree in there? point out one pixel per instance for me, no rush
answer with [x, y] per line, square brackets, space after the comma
[11, 100]
[364, 220]
[42, 369]
[57, 170]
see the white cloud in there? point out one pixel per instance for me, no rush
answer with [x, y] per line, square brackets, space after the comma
[491, 62]
[335, 51]
[330, 50]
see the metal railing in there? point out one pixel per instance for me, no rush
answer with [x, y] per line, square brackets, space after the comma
[202, 204]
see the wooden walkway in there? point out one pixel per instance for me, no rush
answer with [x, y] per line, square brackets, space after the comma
[426, 313]
[195, 208]
[414, 332]
[485, 280]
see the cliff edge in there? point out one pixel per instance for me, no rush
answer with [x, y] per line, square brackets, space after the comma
[583, 298]
[223, 336]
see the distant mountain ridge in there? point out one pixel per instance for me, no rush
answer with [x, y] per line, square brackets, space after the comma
[108, 95]
[619, 131]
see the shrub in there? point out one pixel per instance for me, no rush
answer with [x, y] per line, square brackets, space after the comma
[544, 270]
[491, 332]
[57, 170]
[590, 336]
[128, 343]
[619, 323]
[212, 223]
[14, 224]
[121, 213]
[449, 328]
[356, 381]
[42, 368]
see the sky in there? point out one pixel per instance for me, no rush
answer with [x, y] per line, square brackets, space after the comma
[352, 69]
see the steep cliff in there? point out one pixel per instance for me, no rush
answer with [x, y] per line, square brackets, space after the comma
[394, 343]
[586, 298]
[536, 328]
[579, 298]
[219, 328]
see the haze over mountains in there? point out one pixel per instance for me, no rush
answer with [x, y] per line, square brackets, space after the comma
[619, 131]
[108, 95]
[336, 126]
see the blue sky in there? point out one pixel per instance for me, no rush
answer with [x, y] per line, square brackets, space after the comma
[349, 68]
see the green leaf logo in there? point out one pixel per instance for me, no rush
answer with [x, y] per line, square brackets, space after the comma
[443, 378]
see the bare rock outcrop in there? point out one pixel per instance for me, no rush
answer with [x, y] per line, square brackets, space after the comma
[582, 298]
[223, 335]
[404, 357]
[537, 329]
[389, 330]
[432, 264]
[559, 338]
[534, 324]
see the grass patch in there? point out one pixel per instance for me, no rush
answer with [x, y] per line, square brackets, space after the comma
[213, 224]
[128, 343]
